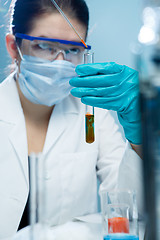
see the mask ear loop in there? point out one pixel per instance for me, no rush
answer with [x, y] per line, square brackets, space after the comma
[16, 62]
[19, 51]
[16, 69]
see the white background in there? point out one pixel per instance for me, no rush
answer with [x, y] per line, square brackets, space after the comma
[115, 25]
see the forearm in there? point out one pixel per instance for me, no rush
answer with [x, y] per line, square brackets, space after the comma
[137, 149]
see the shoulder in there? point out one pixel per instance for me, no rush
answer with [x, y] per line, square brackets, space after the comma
[8, 82]
[8, 87]
[9, 100]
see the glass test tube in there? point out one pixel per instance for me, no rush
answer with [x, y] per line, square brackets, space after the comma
[89, 114]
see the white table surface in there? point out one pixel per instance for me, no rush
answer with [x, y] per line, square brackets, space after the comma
[82, 228]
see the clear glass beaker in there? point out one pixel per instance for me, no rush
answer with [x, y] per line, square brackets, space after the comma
[119, 214]
[118, 218]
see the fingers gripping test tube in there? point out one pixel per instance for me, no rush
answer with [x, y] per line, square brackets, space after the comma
[89, 114]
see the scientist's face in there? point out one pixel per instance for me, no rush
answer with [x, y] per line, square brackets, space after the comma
[54, 26]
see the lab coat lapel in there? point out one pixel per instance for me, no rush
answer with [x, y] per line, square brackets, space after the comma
[12, 114]
[58, 122]
[57, 125]
[18, 140]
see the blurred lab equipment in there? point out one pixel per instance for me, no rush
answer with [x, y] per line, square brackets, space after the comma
[37, 198]
[89, 115]
[119, 215]
[148, 65]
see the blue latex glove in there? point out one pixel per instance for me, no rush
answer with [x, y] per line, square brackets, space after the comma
[113, 87]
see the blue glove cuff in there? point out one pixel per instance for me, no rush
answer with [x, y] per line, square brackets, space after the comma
[132, 130]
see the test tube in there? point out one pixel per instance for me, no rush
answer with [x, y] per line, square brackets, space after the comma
[89, 114]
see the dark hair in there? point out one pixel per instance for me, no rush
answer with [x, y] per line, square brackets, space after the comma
[26, 11]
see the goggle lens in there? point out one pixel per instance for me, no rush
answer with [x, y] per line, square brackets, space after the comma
[49, 50]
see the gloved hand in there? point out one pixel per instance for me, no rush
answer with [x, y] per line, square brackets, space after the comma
[113, 87]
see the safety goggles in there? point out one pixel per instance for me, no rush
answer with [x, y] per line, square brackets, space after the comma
[49, 49]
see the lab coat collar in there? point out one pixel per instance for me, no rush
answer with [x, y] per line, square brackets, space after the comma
[11, 113]
[71, 105]
[10, 105]
[18, 139]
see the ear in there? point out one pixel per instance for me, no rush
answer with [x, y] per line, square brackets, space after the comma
[11, 46]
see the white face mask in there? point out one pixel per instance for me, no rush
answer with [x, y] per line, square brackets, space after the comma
[44, 82]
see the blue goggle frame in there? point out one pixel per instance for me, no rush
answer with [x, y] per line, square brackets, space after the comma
[31, 38]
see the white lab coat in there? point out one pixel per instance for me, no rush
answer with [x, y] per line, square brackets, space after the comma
[72, 165]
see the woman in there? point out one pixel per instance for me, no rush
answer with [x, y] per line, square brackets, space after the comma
[38, 114]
